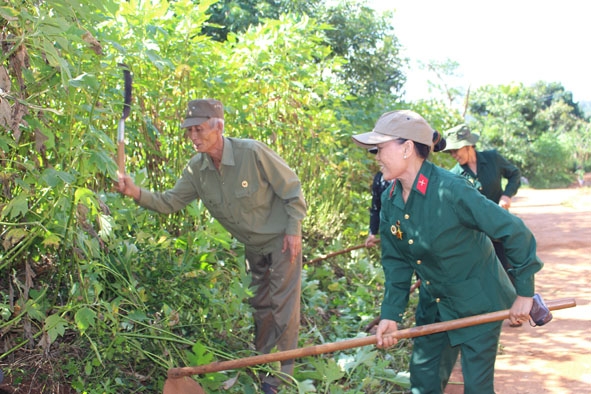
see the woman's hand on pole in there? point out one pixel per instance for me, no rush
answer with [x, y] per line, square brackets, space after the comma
[384, 334]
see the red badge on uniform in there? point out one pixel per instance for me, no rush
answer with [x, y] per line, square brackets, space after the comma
[392, 189]
[422, 183]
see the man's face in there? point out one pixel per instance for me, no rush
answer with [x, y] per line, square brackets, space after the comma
[205, 138]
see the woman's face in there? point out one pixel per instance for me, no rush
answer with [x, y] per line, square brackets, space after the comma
[461, 155]
[390, 156]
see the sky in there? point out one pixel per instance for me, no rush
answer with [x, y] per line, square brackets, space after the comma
[496, 42]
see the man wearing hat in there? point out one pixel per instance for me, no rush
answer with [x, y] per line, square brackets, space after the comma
[253, 193]
[436, 225]
[485, 170]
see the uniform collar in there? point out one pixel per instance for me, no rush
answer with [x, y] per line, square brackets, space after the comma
[421, 184]
[227, 156]
[228, 153]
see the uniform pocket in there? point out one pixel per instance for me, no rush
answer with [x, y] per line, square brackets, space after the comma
[249, 195]
[214, 203]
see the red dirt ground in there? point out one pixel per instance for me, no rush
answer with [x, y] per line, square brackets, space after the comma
[555, 358]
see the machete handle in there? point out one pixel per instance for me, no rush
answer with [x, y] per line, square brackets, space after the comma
[121, 157]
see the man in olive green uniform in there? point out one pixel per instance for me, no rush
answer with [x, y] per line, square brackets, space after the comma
[252, 192]
[437, 225]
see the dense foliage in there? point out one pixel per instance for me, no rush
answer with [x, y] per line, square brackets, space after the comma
[97, 295]
[539, 128]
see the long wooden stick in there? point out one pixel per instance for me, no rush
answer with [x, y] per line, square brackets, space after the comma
[356, 342]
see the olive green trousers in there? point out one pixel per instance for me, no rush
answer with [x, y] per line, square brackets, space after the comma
[276, 302]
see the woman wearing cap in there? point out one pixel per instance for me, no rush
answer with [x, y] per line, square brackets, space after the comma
[485, 170]
[378, 186]
[434, 223]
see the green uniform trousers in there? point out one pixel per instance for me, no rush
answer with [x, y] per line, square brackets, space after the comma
[433, 359]
[276, 303]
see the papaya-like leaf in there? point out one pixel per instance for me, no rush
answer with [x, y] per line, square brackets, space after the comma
[84, 318]
[55, 325]
[18, 206]
[200, 354]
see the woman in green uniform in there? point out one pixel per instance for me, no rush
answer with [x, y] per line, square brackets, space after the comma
[436, 224]
[485, 170]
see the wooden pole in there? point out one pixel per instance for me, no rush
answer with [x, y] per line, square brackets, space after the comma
[356, 342]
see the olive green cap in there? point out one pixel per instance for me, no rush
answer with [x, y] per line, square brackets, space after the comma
[459, 136]
[199, 111]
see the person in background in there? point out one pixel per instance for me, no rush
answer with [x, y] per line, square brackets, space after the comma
[377, 187]
[486, 171]
[253, 193]
[435, 224]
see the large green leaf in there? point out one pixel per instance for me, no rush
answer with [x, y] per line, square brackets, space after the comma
[55, 325]
[18, 206]
[84, 318]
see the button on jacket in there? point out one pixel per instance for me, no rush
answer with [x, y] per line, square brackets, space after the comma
[442, 232]
[254, 195]
[491, 168]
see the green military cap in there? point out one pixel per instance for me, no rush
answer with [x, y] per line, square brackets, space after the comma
[199, 111]
[459, 136]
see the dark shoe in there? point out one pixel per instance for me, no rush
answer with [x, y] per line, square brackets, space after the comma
[269, 388]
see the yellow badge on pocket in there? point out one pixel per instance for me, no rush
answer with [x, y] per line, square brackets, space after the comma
[244, 184]
[396, 230]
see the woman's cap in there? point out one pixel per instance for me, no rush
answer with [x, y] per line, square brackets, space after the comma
[394, 125]
[459, 136]
[199, 111]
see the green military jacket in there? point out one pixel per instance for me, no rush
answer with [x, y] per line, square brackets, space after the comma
[442, 232]
[254, 195]
[491, 168]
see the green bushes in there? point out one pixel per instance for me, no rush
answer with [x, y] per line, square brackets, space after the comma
[118, 294]
[105, 296]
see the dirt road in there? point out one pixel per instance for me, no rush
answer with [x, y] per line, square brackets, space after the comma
[555, 358]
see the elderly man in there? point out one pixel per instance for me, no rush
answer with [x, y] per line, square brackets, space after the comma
[254, 194]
